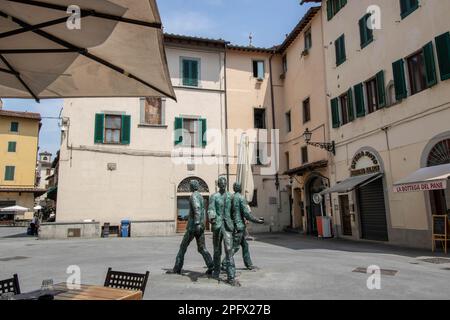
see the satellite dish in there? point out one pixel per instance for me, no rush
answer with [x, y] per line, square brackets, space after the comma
[317, 198]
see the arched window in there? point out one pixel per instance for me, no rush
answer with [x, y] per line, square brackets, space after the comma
[184, 186]
[440, 154]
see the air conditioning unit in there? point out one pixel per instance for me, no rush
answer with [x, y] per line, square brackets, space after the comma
[305, 52]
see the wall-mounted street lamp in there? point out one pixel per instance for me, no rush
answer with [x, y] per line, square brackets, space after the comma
[328, 146]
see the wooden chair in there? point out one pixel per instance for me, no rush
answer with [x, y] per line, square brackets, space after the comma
[10, 285]
[127, 281]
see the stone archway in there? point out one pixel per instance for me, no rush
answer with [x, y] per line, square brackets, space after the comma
[184, 186]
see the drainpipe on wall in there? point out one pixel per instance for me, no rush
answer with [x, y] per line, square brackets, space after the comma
[227, 164]
[277, 178]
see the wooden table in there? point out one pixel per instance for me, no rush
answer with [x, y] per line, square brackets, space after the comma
[88, 292]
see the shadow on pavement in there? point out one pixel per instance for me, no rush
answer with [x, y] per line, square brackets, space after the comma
[303, 242]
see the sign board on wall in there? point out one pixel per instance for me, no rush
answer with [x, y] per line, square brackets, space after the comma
[364, 162]
[421, 186]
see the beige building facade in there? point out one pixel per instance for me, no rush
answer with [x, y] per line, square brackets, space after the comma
[132, 159]
[389, 102]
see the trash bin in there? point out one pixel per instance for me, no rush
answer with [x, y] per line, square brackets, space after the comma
[324, 227]
[125, 228]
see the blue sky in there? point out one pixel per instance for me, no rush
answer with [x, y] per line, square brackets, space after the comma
[233, 20]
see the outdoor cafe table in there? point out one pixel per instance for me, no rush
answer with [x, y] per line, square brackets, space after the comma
[89, 292]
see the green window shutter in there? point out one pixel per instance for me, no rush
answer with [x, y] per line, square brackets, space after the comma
[10, 173]
[359, 100]
[335, 113]
[399, 80]
[194, 73]
[12, 146]
[430, 65]
[186, 72]
[351, 112]
[381, 90]
[99, 127]
[126, 129]
[362, 31]
[443, 54]
[340, 50]
[342, 3]
[203, 137]
[329, 10]
[178, 131]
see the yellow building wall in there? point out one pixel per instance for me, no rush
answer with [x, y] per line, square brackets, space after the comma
[24, 159]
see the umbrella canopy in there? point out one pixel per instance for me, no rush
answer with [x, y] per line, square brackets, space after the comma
[105, 49]
[37, 208]
[244, 168]
[15, 209]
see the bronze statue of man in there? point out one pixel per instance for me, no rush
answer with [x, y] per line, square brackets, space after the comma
[195, 229]
[241, 214]
[223, 227]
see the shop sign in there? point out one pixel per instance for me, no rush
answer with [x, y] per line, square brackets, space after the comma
[421, 186]
[364, 162]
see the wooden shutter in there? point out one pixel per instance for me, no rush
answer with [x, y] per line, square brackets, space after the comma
[126, 129]
[329, 10]
[443, 54]
[9, 173]
[381, 90]
[340, 50]
[362, 31]
[359, 100]
[194, 73]
[178, 130]
[186, 72]
[403, 7]
[343, 3]
[335, 113]
[203, 137]
[350, 112]
[430, 65]
[99, 128]
[399, 80]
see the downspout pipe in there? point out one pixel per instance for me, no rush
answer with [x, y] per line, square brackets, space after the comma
[274, 127]
[227, 162]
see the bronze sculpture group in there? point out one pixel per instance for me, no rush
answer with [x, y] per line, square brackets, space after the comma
[228, 214]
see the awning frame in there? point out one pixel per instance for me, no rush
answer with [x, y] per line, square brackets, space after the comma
[370, 179]
[69, 47]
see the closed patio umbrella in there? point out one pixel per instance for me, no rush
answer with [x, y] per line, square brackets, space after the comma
[244, 168]
[15, 209]
[100, 48]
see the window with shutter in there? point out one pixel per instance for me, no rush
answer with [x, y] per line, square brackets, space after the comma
[407, 7]
[203, 137]
[340, 50]
[335, 113]
[381, 90]
[10, 173]
[398, 68]
[443, 54]
[366, 34]
[359, 100]
[12, 146]
[430, 65]
[190, 72]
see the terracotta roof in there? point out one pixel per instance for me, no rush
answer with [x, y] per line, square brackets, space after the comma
[299, 28]
[177, 38]
[36, 191]
[252, 49]
[18, 114]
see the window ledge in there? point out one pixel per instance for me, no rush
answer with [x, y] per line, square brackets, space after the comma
[154, 126]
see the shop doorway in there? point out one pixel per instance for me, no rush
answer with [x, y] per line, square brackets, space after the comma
[346, 218]
[314, 210]
[440, 199]
[372, 211]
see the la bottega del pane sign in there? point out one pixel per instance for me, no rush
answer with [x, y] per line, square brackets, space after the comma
[416, 187]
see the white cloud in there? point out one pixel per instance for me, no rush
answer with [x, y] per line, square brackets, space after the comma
[188, 22]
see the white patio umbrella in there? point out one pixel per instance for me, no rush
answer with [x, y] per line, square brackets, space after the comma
[244, 168]
[101, 48]
[37, 208]
[15, 209]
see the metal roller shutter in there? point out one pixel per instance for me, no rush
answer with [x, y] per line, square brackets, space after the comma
[372, 211]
